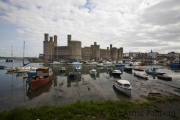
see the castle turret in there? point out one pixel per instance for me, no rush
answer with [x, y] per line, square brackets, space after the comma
[49, 46]
[51, 39]
[110, 51]
[68, 39]
[55, 38]
[46, 37]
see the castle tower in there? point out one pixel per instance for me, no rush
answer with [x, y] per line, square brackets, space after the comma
[110, 51]
[120, 53]
[96, 51]
[68, 39]
[74, 49]
[48, 46]
[114, 53]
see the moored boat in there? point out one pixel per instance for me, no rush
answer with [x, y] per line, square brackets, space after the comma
[93, 72]
[123, 86]
[100, 65]
[11, 69]
[163, 77]
[91, 63]
[143, 75]
[54, 62]
[62, 69]
[120, 65]
[2, 67]
[74, 62]
[107, 63]
[138, 69]
[126, 69]
[43, 76]
[78, 67]
[72, 74]
[115, 72]
[154, 72]
[134, 63]
[32, 71]
[23, 69]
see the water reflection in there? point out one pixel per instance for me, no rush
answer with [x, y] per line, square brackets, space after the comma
[62, 89]
[21, 74]
[36, 92]
[120, 95]
[93, 76]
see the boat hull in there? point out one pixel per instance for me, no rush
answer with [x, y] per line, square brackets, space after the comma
[162, 77]
[154, 73]
[123, 90]
[39, 82]
[127, 69]
[119, 65]
[141, 75]
[31, 73]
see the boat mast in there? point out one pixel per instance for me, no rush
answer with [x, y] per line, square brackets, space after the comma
[23, 53]
[57, 53]
[12, 55]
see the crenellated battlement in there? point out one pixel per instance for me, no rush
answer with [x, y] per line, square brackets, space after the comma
[63, 46]
[76, 41]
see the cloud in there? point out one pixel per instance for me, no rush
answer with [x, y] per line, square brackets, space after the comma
[136, 25]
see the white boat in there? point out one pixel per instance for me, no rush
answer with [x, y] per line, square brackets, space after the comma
[93, 72]
[10, 69]
[123, 86]
[107, 63]
[54, 62]
[100, 65]
[74, 63]
[23, 69]
[134, 63]
[78, 67]
[120, 62]
[115, 72]
[62, 69]
[91, 63]
[32, 71]
[141, 74]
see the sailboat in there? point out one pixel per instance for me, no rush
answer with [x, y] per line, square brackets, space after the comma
[24, 68]
[11, 69]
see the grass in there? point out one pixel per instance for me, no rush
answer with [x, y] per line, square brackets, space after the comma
[103, 110]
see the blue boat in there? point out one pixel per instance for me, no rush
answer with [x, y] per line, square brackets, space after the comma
[72, 74]
[78, 67]
[154, 72]
[2, 67]
[31, 73]
[174, 66]
[127, 69]
[119, 65]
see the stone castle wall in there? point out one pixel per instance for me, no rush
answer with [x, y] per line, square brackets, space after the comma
[86, 53]
[73, 50]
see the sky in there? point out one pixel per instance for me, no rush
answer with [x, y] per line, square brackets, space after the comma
[135, 25]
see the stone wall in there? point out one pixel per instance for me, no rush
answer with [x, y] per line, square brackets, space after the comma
[87, 53]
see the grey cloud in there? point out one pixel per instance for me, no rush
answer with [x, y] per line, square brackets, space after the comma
[162, 13]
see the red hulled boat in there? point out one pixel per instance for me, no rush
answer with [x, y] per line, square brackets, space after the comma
[43, 76]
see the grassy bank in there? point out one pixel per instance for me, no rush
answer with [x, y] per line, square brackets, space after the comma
[110, 109]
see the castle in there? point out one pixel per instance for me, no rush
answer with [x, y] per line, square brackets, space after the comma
[74, 50]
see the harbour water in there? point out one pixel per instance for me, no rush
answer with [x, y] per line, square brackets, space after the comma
[64, 90]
